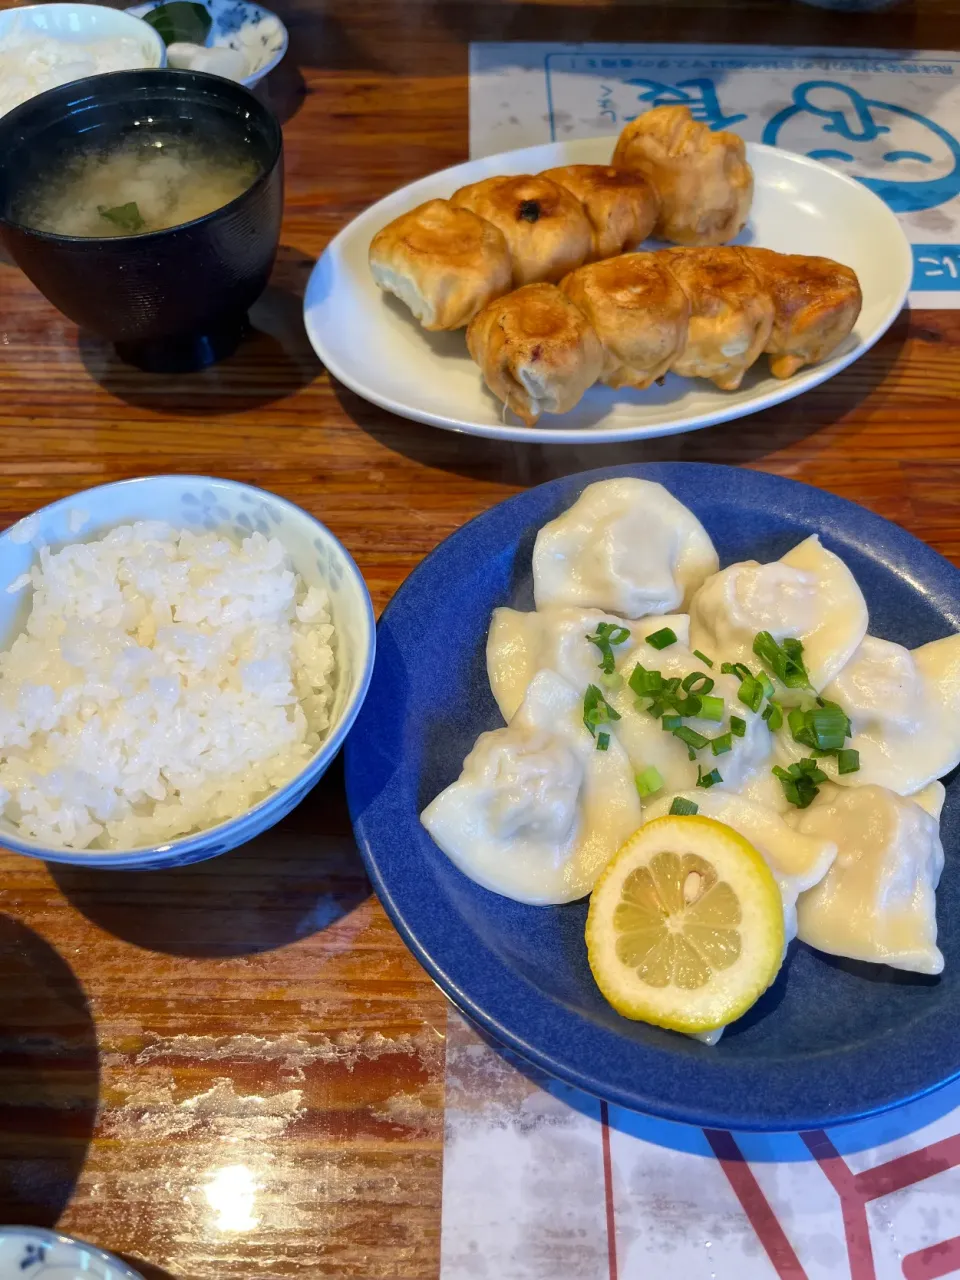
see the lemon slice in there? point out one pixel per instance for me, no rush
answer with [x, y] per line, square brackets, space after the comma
[685, 928]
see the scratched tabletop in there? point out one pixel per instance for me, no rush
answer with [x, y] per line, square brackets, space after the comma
[236, 1069]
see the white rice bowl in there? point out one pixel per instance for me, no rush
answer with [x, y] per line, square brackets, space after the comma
[166, 681]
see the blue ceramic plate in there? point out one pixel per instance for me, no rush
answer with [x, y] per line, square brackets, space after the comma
[832, 1040]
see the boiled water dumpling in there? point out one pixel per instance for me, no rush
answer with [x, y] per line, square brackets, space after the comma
[798, 861]
[538, 811]
[521, 644]
[626, 545]
[931, 799]
[765, 789]
[646, 742]
[877, 901]
[904, 709]
[809, 595]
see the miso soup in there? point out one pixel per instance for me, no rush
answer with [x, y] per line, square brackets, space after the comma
[141, 184]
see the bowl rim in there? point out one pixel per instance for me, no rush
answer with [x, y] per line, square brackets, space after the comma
[119, 1268]
[86, 5]
[176, 851]
[139, 10]
[146, 237]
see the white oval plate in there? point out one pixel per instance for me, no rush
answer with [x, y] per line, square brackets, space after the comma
[372, 343]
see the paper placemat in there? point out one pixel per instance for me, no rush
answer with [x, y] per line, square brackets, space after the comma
[541, 1182]
[887, 117]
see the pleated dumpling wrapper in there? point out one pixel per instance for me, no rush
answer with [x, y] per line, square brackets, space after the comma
[798, 861]
[557, 639]
[520, 644]
[904, 710]
[877, 902]
[808, 595]
[931, 799]
[538, 810]
[627, 546]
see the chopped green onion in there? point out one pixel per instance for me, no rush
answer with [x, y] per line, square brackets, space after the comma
[644, 683]
[799, 729]
[723, 744]
[682, 808]
[672, 685]
[711, 708]
[839, 713]
[671, 722]
[800, 781]
[603, 741]
[648, 781]
[697, 682]
[824, 727]
[773, 714]
[656, 708]
[608, 634]
[738, 726]
[750, 693]
[766, 684]
[691, 754]
[784, 660]
[792, 793]
[829, 726]
[662, 639]
[614, 633]
[690, 737]
[808, 768]
[597, 710]
[613, 682]
[708, 779]
[703, 658]
[691, 705]
[739, 669]
[848, 760]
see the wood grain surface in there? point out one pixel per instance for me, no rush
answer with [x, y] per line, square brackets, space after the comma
[236, 1070]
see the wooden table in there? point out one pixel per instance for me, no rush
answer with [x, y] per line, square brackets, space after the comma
[236, 1070]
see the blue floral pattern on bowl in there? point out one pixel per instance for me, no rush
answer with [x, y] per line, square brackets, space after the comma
[203, 503]
[255, 32]
[37, 1254]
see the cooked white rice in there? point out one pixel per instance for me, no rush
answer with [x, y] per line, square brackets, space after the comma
[165, 681]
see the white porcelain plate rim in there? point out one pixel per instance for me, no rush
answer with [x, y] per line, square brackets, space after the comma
[357, 332]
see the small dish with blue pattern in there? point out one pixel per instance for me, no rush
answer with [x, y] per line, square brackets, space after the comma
[32, 1253]
[255, 33]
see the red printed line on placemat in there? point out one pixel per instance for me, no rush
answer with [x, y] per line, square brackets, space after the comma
[934, 1262]
[856, 1190]
[608, 1191]
[755, 1205]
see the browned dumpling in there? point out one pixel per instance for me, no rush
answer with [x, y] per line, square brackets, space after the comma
[703, 179]
[622, 206]
[731, 314]
[638, 311]
[816, 303]
[545, 227]
[537, 351]
[445, 263]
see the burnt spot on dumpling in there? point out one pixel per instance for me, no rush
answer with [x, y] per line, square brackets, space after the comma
[529, 210]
